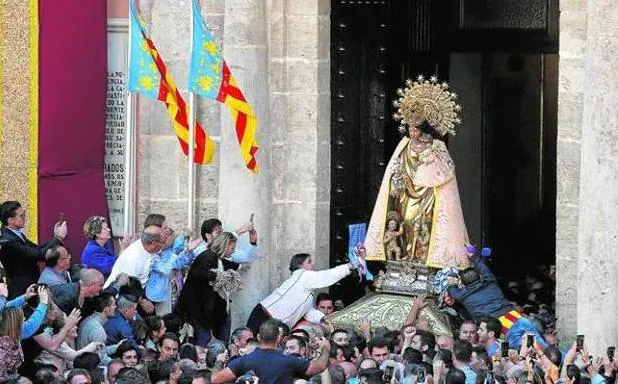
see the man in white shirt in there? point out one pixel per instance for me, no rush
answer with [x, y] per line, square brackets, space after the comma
[136, 259]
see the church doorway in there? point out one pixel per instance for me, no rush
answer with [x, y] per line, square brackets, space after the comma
[501, 58]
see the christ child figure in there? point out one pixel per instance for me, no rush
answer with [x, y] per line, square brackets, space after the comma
[394, 230]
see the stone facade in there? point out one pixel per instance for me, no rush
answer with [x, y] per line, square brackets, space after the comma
[279, 54]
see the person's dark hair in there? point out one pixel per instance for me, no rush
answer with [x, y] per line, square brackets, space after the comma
[185, 378]
[297, 261]
[302, 343]
[554, 354]
[78, 372]
[75, 271]
[574, 373]
[462, 351]
[338, 330]
[427, 338]
[125, 347]
[173, 323]
[348, 352]
[301, 333]
[412, 356]
[8, 209]
[481, 353]
[52, 255]
[333, 350]
[492, 325]
[428, 367]
[208, 226]
[323, 296]
[370, 376]
[154, 219]
[469, 276]
[284, 329]
[43, 376]
[455, 376]
[153, 324]
[102, 301]
[269, 331]
[188, 351]
[376, 343]
[130, 375]
[359, 342]
[446, 356]
[168, 336]
[203, 374]
[237, 333]
[160, 370]
[337, 374]
[87, 360]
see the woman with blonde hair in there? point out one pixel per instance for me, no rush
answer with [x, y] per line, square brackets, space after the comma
[99, 250]
[13, 328]
[199, 303]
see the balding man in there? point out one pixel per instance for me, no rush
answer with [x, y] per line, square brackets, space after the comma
[57, 264]
[72, 295]
[135, 260]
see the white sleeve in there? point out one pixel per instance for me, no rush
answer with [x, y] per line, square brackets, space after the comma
[325, 278]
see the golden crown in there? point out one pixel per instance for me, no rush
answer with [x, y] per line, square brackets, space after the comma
[427, 100]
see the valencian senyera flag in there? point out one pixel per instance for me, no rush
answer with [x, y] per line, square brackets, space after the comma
[149, 76]
[210, 76]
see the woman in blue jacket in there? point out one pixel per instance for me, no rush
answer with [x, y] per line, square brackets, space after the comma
[99, 251]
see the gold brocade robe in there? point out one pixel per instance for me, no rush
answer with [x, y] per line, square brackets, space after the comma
[427, 201]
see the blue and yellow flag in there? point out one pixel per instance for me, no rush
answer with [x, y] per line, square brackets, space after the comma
[149, 76]
[210, 76]
[144, 77]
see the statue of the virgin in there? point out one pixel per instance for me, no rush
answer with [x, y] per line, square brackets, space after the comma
[418, 216]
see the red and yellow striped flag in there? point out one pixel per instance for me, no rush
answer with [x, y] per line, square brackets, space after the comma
[149, 76]
[210, 76]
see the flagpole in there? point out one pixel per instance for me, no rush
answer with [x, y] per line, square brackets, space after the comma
[129, 154]
[191, 170]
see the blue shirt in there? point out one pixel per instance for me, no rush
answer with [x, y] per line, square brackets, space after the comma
[271, 366]
[470, 374]
[158, 284]
[51, 277]
[117, 329]
[99, 258]
[484, 297]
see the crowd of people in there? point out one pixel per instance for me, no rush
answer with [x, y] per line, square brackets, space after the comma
[158, 310]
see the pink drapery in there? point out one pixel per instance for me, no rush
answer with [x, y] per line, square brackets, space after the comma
[72, 100]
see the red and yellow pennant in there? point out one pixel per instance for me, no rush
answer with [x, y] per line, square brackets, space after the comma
[149, 76]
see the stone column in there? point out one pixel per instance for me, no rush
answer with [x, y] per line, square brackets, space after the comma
[573, 24]
[240, 192]
[597, 294]
[299, 54]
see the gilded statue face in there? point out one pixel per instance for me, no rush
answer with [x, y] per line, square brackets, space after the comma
[414, 133]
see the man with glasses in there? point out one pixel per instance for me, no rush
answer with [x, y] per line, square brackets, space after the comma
[18, 254]
[57, 264]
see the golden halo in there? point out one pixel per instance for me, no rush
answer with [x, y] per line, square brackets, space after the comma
[427, 100]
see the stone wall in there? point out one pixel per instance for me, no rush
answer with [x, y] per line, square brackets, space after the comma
[573, 36]
[279, 52]
[597, 294]
[162, 168]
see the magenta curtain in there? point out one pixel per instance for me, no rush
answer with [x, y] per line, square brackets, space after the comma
[73, 86]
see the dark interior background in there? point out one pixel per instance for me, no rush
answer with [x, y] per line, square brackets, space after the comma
[500, 56]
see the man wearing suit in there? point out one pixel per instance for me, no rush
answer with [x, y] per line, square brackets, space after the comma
[19, 255]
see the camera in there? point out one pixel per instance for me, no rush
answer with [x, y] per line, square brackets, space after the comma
[579, 342]
[505, 348]
[388, 373]
[420, 375]
[610, 353]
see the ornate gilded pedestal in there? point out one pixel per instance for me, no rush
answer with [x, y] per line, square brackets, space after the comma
[395, 293]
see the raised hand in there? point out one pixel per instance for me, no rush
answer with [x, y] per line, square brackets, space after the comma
[31, 291]
[73, 318]
[60, 230]
[43, 295]
[4, 290]
[191, 245]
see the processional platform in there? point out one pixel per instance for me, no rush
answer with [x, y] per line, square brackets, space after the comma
[396, 290]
